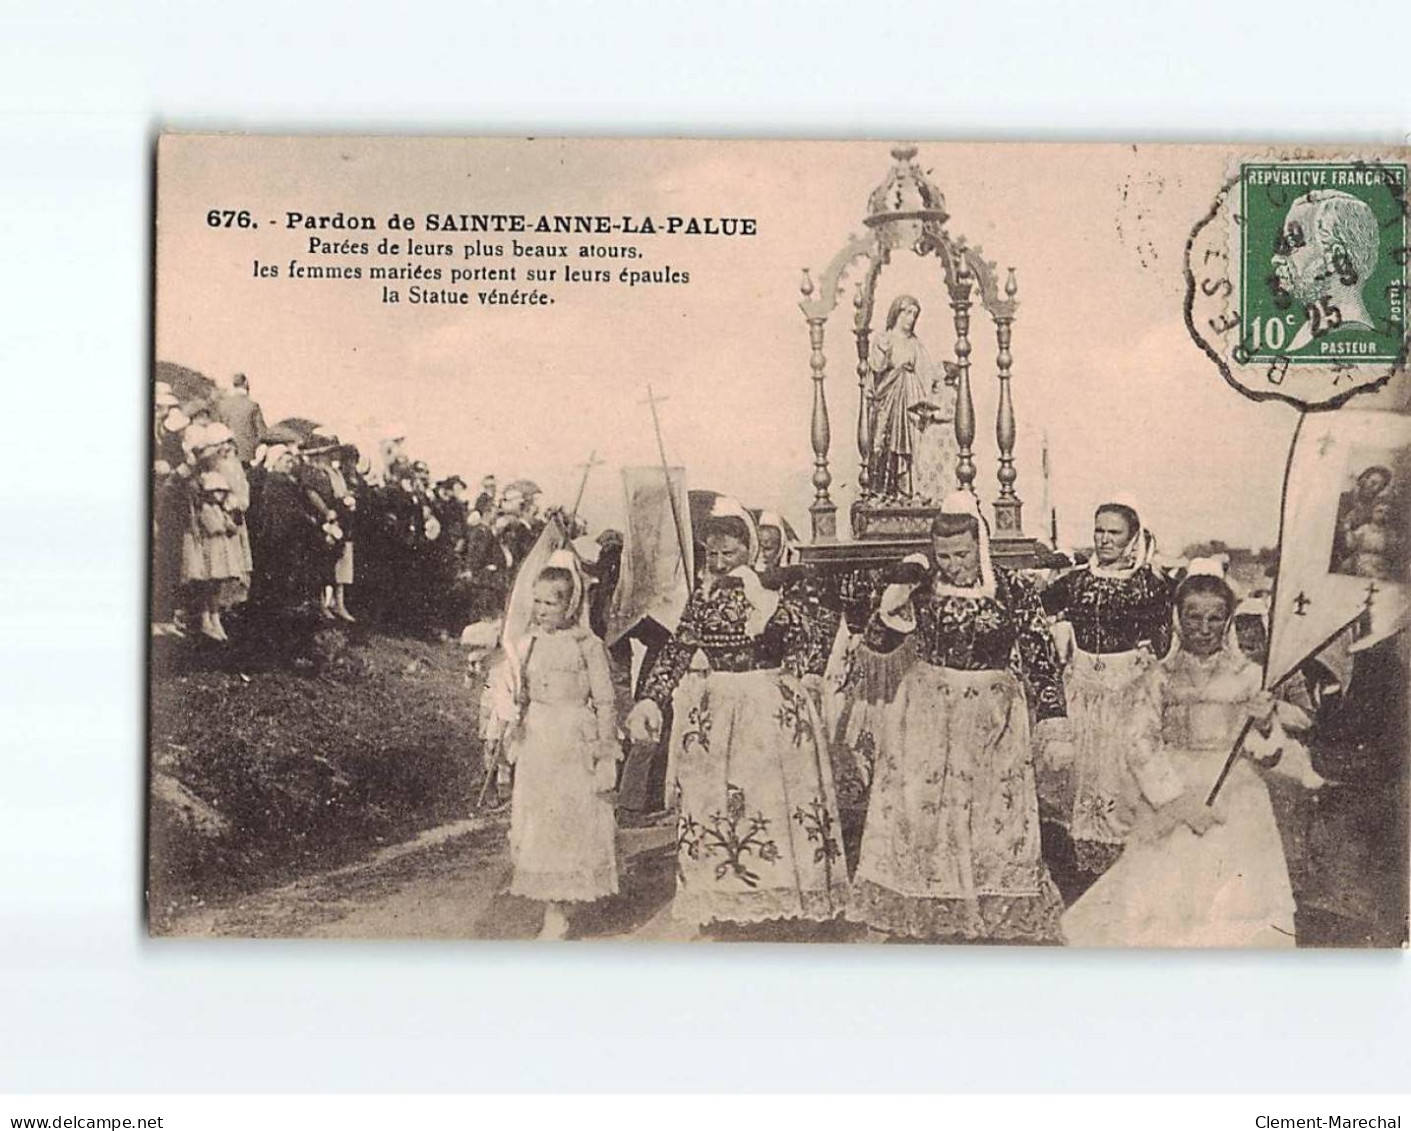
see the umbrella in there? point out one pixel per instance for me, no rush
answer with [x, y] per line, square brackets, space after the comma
[186, 384]
[291, 430]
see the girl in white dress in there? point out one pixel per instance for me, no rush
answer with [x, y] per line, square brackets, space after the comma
[1191, 874]
[564, 750]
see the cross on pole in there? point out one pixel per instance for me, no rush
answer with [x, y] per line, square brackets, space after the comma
[687, 563]
[1300, 604]
[1325, 442]
[1363, 622]
[593, 461]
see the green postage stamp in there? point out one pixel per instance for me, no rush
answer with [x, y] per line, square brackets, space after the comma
[1296, 278]
[1323, 261]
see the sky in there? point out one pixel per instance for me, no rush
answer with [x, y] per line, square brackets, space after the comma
[1103, 365]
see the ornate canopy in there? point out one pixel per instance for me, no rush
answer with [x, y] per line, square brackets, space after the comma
[906, 211]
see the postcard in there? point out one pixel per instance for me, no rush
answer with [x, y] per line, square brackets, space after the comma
[848, 542]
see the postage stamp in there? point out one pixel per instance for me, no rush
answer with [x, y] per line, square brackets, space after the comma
[1297, 277]
[1323, 261]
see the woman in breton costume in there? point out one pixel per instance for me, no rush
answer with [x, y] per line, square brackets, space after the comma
[960, 653]
[777, 544]
[1118, 609]
[1194, 875]
[757, 823]
[812, 622]
[814, 638]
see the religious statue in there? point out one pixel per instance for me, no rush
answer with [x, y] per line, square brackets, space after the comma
[909, 457]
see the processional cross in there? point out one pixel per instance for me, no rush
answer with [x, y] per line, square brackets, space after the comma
[587, 469]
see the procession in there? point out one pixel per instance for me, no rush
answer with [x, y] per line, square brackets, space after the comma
[907, 715]
[983, 754]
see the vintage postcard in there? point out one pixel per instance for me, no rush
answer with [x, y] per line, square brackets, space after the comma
[843, 542]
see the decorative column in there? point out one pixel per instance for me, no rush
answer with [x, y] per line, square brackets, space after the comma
[864, 391]
[959, 285]
[823, 510]
[1008, 518]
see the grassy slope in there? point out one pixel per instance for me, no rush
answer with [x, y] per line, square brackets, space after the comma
[303, 770]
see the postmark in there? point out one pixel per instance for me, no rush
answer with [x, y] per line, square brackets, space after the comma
[1296, 279]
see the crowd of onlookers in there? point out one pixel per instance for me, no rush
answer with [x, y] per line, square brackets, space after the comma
[270, 533]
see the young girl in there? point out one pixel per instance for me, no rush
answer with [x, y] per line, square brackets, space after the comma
[1192, 874]
[210, 551]
[564, 749]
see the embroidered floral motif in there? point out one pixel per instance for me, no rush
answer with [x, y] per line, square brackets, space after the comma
[1008, 630]
[865, 750]
[713, 623]
[793, 713]
[698, 724]
[817, 823]
[935, 779]
[1008, 799]
[1098, 810]
[1113, 614]
[688, 840]
[808, 628]
[730, 835]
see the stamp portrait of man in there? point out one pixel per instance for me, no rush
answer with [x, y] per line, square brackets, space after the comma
[1326, 253]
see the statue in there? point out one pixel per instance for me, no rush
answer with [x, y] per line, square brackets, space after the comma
[909, 457]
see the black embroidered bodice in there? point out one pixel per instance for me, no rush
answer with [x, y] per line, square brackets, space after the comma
[716, 625]
[809, 625]
[1008, 630]
[1111, 614]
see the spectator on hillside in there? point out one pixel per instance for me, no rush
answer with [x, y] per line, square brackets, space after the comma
[485, 501]
[239, 412]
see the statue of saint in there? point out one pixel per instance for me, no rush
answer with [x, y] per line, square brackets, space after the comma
[912, 454]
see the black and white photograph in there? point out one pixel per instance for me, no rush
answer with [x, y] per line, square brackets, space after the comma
[541, 550]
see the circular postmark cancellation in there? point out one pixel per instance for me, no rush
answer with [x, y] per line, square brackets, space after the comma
[1296, 279]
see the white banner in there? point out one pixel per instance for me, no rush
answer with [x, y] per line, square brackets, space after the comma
[654, 581]
[1342, 551]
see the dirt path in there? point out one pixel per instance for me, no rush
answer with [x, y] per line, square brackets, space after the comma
[449, 882]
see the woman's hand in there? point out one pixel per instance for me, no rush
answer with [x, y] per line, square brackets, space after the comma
[644, 722]
[1261, 710]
